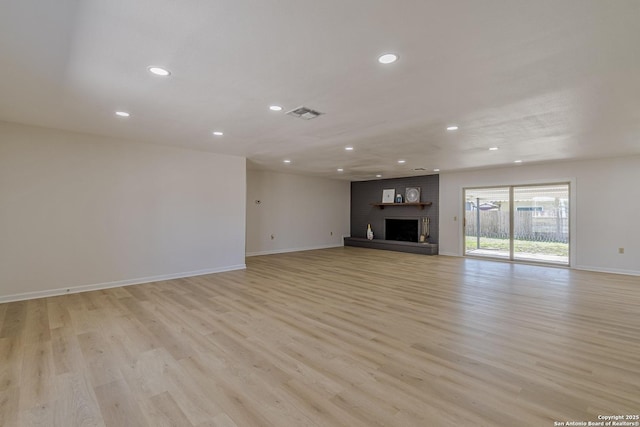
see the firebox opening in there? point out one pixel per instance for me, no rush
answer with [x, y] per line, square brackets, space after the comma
[405, 230]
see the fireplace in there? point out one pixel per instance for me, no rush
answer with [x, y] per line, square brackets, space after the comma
[405, 230]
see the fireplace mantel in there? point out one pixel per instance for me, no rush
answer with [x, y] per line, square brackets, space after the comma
[420, 205]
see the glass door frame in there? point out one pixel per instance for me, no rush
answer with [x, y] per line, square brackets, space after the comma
[570, 225]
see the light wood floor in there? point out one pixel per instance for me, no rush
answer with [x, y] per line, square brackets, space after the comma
[345, 336]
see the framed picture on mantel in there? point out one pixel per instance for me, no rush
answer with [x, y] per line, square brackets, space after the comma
[388, 195]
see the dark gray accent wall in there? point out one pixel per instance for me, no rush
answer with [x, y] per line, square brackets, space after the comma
[363, 193]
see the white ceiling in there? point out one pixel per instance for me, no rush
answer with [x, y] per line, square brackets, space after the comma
[542, 80]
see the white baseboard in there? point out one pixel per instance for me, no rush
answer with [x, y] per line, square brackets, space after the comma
[608, 270]
[283, 251]
[577, 267]
[107, 285]
[449, 254]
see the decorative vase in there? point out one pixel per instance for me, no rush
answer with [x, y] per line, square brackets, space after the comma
[398, 198]
[369, 232]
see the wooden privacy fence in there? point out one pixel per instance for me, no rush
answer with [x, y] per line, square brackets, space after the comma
[526, 226]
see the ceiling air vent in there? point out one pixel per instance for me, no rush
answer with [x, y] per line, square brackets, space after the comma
[304, 113]
[419, 169]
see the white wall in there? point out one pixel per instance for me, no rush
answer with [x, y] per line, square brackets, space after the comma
[300, 212]
[80, 211]
[606, 208]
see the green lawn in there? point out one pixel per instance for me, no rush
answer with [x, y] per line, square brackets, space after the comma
[523, 246]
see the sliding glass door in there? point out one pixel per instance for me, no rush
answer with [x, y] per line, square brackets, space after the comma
[487, 222]
[529, 223]
[541, 223]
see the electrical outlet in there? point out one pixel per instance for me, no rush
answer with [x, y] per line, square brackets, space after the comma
[620, 250]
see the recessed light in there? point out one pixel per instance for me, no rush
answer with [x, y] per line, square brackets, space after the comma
[287, 161]
[275, 108]
[452, 127]
[122, 114]
[378, 176]
[159, 71]
[493, 148]
[402, 161]
[218, 133]
[348, 148]
[388, 58]
[436, 170]
[517, 161]
[340, 170]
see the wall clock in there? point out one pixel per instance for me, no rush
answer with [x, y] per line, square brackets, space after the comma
[412, 195]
